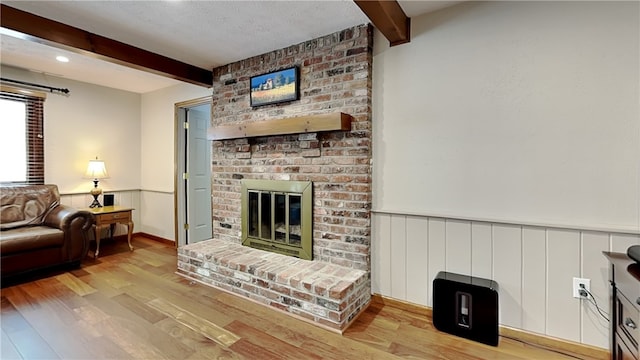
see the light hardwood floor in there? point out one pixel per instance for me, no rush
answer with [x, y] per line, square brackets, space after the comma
[131, 305]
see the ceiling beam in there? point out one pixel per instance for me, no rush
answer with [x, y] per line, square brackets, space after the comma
[53, 33]
[388, 17]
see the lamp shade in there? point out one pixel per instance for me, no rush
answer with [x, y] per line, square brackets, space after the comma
[96, 170]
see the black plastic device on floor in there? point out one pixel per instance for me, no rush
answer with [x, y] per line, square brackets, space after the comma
[466, 306]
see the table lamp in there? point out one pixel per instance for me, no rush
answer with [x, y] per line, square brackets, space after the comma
[96, 170]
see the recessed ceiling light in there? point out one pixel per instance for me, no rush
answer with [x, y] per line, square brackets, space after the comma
[62, 58]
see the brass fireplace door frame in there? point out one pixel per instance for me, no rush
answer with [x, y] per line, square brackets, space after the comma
[305, 190]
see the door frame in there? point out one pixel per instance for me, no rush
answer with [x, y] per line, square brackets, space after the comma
[179, 166]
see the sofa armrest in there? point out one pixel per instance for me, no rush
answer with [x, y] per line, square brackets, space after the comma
[75, 225]
[62, 216]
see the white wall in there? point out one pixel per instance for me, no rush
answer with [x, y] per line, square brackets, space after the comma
[512, 111]
[91, 121]
[497, 122]
[157, 156]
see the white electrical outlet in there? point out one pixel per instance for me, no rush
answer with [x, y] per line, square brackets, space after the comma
[576, 287]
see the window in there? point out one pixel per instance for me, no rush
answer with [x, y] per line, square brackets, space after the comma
[21, 138]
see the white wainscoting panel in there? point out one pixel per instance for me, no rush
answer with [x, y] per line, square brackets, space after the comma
[507, 271]
[437, 252]
[481, 250]
[458, 246]
[399, 257]
[534, 277]
[621, 242]
[563, 264]
[533, 265]
[594, 266]
[158, 214]
[380, 258]
[417, 253]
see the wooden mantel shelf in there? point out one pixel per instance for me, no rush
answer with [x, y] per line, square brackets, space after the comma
[295, 125]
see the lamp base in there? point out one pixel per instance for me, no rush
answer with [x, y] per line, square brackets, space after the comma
[95, 192]
[95, 202]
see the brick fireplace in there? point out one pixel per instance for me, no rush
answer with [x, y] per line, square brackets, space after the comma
[335, 76]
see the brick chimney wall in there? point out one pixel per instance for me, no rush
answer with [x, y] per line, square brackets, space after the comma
[335, 76]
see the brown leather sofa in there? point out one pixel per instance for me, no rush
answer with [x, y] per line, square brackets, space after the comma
[37, 232]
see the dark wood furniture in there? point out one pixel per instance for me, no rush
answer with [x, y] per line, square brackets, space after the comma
[109, 216]
[624, 276]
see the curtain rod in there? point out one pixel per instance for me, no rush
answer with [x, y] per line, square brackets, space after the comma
[51, 89]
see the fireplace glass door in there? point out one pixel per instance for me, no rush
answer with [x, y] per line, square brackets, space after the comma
[276, 216]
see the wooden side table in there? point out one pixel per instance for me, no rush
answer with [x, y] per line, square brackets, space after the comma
[110, 216]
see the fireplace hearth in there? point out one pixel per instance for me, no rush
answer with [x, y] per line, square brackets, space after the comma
[277, 217]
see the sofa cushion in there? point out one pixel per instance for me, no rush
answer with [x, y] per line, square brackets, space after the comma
[26, 205]
[30, 238]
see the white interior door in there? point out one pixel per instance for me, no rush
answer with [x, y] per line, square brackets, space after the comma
[198, 180]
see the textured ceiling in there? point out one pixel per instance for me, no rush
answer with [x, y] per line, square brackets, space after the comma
[206, 34]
